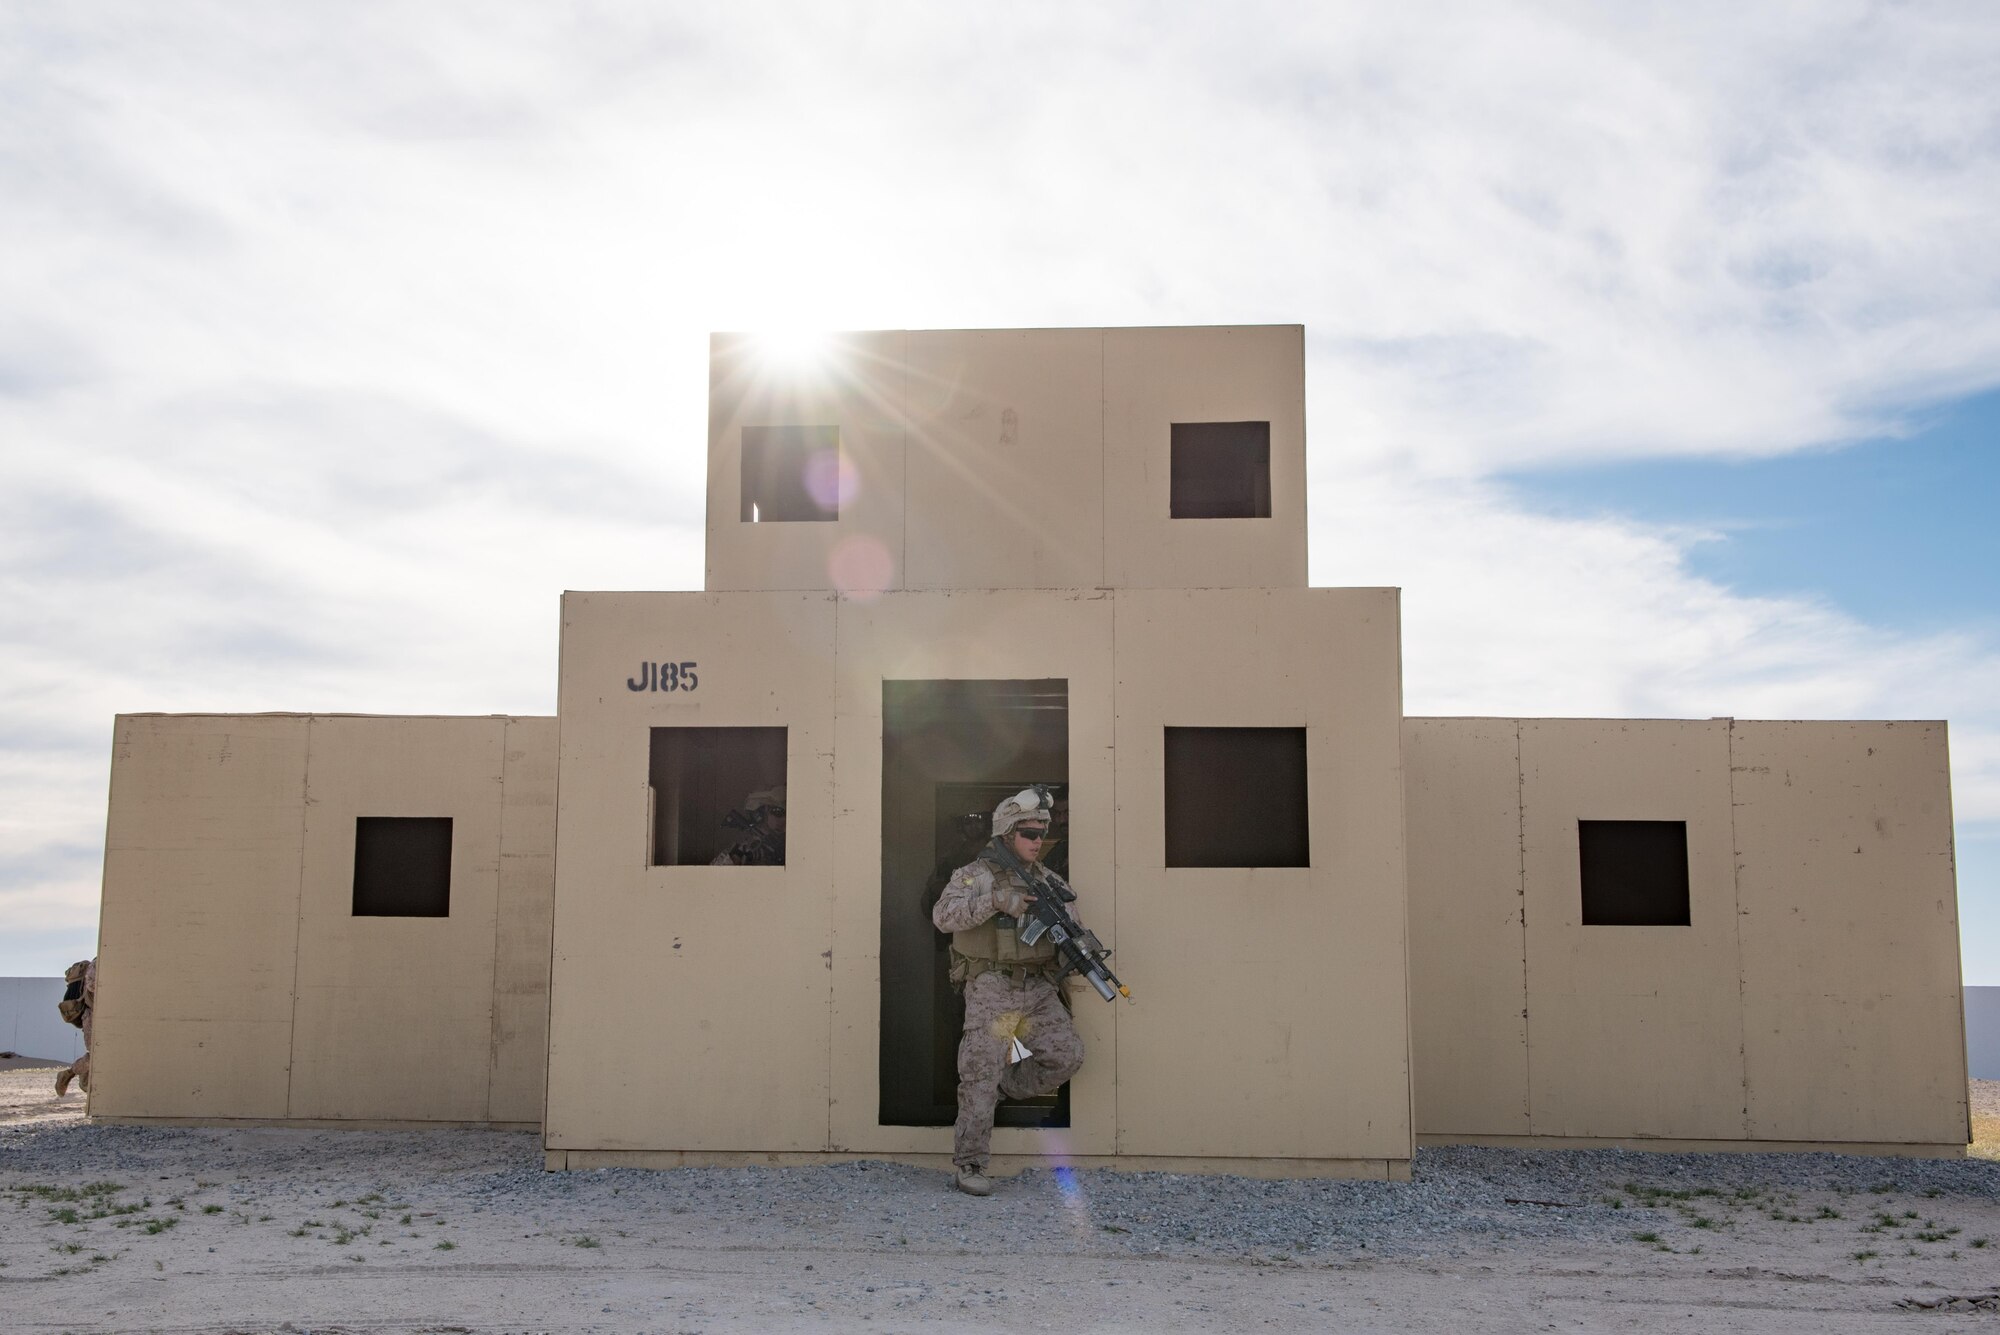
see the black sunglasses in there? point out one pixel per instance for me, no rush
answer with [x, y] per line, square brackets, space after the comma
[1041, 832]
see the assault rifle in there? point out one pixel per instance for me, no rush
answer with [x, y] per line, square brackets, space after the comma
[1048, 915]
[759, 848]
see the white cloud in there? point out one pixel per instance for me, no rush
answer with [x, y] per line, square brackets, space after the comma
[1508, 613]
[345, 338]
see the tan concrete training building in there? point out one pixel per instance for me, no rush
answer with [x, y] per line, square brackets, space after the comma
[942, 565]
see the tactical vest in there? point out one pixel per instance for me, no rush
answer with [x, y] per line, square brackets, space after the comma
[994, 946]
[73, 1005]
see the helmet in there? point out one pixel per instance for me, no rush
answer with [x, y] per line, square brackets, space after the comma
[1029, 803]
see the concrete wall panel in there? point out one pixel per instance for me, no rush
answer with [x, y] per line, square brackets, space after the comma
[1270, 1014]
[522, 922]
[1854, 1026]
[199, 933]
[1005, 475]
[395, 1014]
[690, 1004]
[859, 388]
[236, 981]
[1468, 1001]
[1814, 998]
[1156, 377]
[1982, 1032]
[1057, 442]
[1632, 1031]
[30, 1024]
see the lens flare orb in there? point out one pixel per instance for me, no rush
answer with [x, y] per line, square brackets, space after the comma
[830, 480]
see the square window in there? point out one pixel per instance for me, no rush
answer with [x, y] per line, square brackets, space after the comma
[1635, 872]
[790, 474]
[718, 797]
[1236, 797]
[402, 867]
[1221, 470]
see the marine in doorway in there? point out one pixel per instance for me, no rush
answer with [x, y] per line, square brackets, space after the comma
[762, 817]
[1019, 1040]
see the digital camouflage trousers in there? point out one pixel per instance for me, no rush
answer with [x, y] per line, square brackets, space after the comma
[997, 1009]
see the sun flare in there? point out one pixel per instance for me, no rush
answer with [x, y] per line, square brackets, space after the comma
[794, 351]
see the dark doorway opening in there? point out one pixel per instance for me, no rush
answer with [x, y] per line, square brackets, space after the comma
[951, 750]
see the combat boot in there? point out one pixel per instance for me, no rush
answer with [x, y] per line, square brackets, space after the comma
[63, 1077]
[972, 1181]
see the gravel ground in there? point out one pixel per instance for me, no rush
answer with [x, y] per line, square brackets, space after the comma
[179, 1221]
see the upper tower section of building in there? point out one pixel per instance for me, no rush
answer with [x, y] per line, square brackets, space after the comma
[1009, 458]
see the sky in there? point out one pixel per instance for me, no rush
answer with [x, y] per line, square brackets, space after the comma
[1654, 351]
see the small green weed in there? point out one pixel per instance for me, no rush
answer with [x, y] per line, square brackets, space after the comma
[84, 1192]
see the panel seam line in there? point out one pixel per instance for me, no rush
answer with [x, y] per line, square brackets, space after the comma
[299, 916]
[499, 893]
[1521, 907]
[1736, 928]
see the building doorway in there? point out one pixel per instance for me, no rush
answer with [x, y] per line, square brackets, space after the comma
[951, 750]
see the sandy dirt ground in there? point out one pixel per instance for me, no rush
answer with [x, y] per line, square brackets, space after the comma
[254, 1230]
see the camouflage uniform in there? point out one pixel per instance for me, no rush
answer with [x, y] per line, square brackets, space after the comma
[762, 846]
[84, 972]
[1008, 992]
[760, 849]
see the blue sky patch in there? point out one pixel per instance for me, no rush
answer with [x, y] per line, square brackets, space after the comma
[1897, 532]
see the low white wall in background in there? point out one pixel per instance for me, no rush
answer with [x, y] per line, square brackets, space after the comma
[1982, 1032]
[30, 1026]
